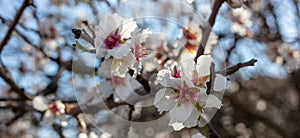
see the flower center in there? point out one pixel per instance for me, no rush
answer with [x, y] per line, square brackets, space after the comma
[188, 34]
[140, 52]
[112, 40]
[54, 108]
[186, 96]
[176, 72]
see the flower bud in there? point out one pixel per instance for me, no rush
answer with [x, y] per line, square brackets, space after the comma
[235, 3]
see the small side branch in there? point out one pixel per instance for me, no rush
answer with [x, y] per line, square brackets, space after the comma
[233, 69]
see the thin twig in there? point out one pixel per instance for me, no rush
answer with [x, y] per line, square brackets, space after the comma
[207, 30]
[238, 66]
[12, 26]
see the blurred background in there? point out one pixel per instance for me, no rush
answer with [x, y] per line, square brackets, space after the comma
[260, 101]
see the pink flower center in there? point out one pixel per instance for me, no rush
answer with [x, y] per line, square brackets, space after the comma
[186, 95]
[112, 40]
[176, 72]
[54, 108]
[140, 52]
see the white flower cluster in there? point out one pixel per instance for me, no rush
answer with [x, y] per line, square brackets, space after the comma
[184, 92]
[125, 51]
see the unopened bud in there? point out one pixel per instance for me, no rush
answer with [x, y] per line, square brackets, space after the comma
[235, 3]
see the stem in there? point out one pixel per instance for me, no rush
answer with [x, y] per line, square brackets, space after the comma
[207, 30]
[14, 23]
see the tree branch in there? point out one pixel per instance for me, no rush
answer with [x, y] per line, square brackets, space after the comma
[207, 30]
[238, 66]
[12, 26]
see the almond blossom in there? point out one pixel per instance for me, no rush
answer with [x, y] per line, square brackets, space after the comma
[184, 92]
[50, 109]
[120, 87]
[112, 34]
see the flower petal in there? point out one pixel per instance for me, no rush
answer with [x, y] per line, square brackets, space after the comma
[220, 83]
[121, 66]
[105, 69]
[179, 114]
[165, 78]
[213, 101]
[40, 103]
[164, 100]
[192, 120]
[119, 52]
[105, 89]
[203, 65]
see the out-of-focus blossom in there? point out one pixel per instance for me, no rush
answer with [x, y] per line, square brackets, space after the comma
[241, 21]
[50, 109]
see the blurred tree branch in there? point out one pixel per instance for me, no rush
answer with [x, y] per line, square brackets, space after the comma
[12, 26]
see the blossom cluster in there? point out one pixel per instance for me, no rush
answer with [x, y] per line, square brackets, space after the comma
[185, 93]
[127, 52]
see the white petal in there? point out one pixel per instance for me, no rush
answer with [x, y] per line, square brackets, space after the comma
[192, 119]
[202, 97]
[220, 83]
[105, 89]
[164, 100]
[165, 78]
[105, 69]
[177, 126]
[213, 101]
[180, 113]
[119, 52]
[198, 135]
[203, 65]
[135, 84]
[128, 26]
[188, 68]
[40, 103]
[123, 90]
[121, 66]
[48, 117]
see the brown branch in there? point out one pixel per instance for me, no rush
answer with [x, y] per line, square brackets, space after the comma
[7, 78]
[238, 66]
[12, 26]
[207, 30]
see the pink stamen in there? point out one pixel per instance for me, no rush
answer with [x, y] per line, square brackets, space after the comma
[186, 95]
[140, 52]
[112, 40]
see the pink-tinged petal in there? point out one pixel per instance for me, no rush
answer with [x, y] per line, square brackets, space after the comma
[164, 100]
[220, 83]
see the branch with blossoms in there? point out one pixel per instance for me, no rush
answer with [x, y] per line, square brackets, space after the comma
[193, 83]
